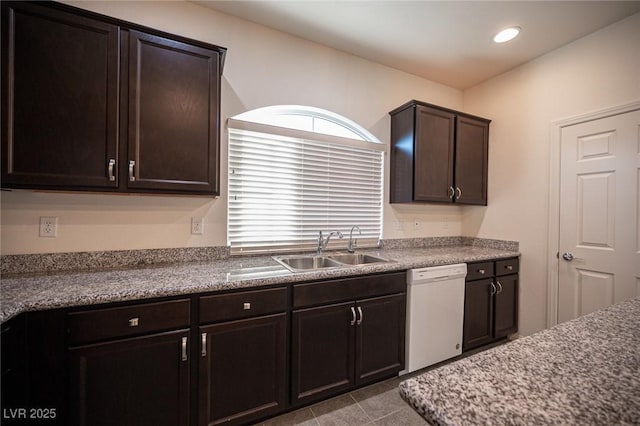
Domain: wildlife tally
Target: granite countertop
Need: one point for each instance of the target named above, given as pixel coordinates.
(582, 372)
(22, 293)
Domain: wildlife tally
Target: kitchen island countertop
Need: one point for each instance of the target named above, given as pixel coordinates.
(42, 291)
(582, 372)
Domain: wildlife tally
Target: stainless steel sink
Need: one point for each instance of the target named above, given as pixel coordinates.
(357, 258)
(298, 263)
(304, 263)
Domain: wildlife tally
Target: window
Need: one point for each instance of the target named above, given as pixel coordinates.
(294, 171)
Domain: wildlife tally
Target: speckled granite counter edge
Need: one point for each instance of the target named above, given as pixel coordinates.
(105, 260)
(51, 290)
(581, 372)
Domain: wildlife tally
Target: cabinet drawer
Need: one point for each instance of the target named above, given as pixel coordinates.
(478, 270)
(111, 323)
(225, 307)
(507, 266)
(320, 293)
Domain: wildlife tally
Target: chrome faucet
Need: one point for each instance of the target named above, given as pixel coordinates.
(351, 247)
(322, 243)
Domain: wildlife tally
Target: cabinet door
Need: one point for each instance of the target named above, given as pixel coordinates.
(13, 345)
(322, 346)
(139, 381)
(380, 337)
(59, 99)
(478, 314)
(173, 116)
(243, 371)
(506, 306)
(433, 162)
(472, 144)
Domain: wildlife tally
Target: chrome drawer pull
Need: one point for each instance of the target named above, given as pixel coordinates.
(453, 191)
(184, 348)
(458, 193)
(361, 316)
(134, 322)
(493, 288)
(246, 306)
(204, 344)
(353, 316)
(499, 287)
(481, 271)
(509, 268)
(132, 164)
(112, 163)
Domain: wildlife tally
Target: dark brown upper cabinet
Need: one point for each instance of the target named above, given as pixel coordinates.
(172, 132)
(97, 104)
(438, 155)
(59, 98)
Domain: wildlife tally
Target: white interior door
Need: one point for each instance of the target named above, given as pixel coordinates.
(599, 239)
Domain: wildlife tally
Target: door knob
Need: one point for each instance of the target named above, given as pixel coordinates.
(569, 257)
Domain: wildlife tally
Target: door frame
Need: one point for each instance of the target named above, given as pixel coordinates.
(554, 197)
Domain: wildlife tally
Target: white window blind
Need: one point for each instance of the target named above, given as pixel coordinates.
(284, 189)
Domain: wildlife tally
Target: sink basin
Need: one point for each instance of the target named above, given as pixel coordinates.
(302, 263)
(298, 263)
(357, 258)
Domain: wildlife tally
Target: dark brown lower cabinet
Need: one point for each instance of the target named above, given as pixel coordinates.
(243, 372)
(137, 381)
(506, 306)
(491, 302)
(233, 357)
(323, 341)
(478, 314)
(380, 338)
(13, 395)
(343, 345)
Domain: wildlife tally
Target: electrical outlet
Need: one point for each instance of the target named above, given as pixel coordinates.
(48, 226)
(197, 225)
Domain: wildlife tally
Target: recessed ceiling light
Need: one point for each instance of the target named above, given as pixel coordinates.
(506, 34)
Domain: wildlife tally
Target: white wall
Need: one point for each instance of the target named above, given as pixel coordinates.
(263, 67)
(595, 72)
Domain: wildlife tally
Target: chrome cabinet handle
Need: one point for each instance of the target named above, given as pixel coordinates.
(509, 267)
(361, 316)
(132, 164)
(353, 316)
(134, 322)
(453, 191)
(481, 271)
(458, 193)
(111, 165)
(499, 287)
(493, 288)
(204, 344)
(184, 348)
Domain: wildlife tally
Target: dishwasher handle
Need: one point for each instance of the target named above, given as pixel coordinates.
(436, 273)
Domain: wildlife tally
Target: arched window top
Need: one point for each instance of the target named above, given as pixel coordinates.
(309, 119)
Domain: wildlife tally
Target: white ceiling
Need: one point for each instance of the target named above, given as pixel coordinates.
(444, 41)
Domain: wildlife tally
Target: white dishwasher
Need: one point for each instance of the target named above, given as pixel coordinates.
(435, 311)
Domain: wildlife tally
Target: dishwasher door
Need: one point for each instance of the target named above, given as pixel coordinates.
(435, 312)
